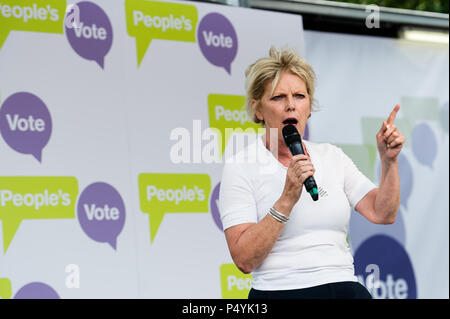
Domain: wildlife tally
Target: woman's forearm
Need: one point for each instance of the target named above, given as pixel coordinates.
(256, 242)
(387, 200)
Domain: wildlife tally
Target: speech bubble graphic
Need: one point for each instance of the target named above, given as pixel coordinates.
(217, 40)
(23, 197)
(25, 124)
(364, 157)
(361, 229)
(424, 144)
(406, 178)
(419, 108)
(5, 288)
(148, 20)
(383, 265)
(160, 194)
(92, 37)
(234, 283)
(101, 213)
(443, 116)
(34, 16)
(214, 206)
(306, 133)
(371, 125)
(227, 114)
(36, 290)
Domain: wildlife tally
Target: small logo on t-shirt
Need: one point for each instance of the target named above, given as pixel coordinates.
(322, 193)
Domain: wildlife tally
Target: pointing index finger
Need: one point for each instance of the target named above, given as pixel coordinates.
(393, 114)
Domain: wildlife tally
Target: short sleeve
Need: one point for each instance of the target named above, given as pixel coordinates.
(356, 184)
(236, 200)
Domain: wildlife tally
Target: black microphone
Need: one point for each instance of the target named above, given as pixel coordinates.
(294, 142)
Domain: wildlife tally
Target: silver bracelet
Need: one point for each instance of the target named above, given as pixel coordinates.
(278, 216)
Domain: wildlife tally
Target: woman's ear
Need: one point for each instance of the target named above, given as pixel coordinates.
(256, 110)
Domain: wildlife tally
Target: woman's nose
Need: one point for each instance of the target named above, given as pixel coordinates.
(290, 103)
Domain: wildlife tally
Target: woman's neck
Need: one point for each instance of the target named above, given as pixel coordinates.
(279, 149)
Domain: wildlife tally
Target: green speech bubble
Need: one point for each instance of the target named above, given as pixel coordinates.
(234, 283)
(34, 198)
(412, 109)
(160, 194)
(35, 16)
(228, 115)
(147, 20)
(364, 156)
(5, 288)
(371, 125)
(420, 108)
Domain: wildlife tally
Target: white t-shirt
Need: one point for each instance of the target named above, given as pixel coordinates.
(312, 249)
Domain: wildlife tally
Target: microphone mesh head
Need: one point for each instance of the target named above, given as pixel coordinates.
(290, 134)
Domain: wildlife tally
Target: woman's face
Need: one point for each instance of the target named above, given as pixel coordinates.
(289, 104)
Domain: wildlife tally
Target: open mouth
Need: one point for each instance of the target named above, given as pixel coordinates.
(290, 120)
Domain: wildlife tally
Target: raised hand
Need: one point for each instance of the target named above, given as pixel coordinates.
(389, 139)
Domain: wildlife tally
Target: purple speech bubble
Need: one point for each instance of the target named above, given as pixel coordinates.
(25, 123)
(361, 229)
(424, 144)
(36, 290)
(306, 133)
(92, 38)
(214, 206)
(386, 261)
(101, 213)
(406, 178)
(217, 40)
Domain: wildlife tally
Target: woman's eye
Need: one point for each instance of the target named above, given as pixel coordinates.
(276, 98)
(301, 96)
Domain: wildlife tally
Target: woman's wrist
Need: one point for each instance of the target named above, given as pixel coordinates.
(387, 162)
(283, 205)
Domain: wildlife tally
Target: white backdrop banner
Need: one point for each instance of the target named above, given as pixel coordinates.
(96, 201)
(360, 80)
(114, 116)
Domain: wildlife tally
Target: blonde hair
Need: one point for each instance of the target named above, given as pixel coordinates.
(270, 68)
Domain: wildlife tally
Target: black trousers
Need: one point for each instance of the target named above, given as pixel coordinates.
(336, 290)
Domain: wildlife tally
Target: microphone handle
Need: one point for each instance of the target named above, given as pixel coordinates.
(310, 183)
(311, 187)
